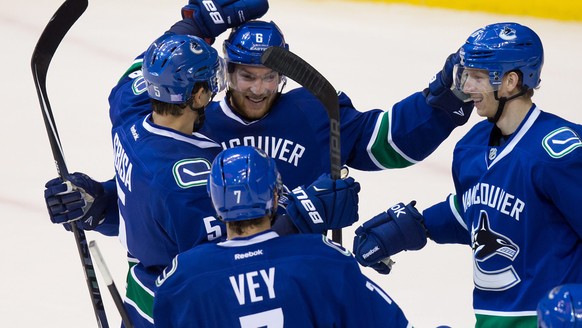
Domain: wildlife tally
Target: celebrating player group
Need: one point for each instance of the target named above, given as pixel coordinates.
(223, 206)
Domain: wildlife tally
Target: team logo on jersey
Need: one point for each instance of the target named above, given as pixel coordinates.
(486, 244)
(191, 172)
(139, 85)
(168, 271)
(561, 142)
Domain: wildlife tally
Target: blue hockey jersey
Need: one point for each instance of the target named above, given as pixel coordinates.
(517, 206)
(295, 133)
(270, 281)
(161, 175)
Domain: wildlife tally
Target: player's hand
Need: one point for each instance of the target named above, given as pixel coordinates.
(326, 204)
(80, 199)
(388, 233)
(441, 93)
(215, 16)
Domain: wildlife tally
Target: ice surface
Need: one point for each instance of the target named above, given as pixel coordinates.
(376, 53)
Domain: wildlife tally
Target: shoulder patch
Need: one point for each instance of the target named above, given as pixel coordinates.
(191, 172)
(335, 246)
(561, 142)
(168, 271)
(139, 85)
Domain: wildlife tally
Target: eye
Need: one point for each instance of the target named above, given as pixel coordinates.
(270, 77)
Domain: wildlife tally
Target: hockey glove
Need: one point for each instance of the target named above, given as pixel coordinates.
(215, 16)
(442, 94)
(388, 233)
(325, 205)
(80, 199)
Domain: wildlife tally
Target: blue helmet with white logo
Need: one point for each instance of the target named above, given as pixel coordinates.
(246, 43)
(504, 47)
(243, 183)
(561, 307)
(174, 63)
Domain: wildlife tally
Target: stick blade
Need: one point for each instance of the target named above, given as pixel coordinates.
(54, 32)
(297, 69)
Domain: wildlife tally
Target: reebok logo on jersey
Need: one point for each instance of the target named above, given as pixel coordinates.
(134, 133)
(370, 252)
(246, 255)
(561, 142)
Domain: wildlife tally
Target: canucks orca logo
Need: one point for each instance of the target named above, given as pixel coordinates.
(561, 142)
(486, 244)
(508, 34)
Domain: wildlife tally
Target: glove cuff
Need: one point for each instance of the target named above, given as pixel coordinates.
(458, 110)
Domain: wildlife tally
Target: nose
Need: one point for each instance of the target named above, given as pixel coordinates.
(469, 85)
(258, 87)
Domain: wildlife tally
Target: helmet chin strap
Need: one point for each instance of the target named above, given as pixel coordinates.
(502, 101)
(199, 111)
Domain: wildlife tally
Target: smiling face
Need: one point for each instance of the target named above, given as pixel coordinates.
(475, 83)
(253, 90)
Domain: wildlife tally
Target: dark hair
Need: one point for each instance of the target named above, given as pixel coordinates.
(530, 92)
(239, 227)
(164, 108)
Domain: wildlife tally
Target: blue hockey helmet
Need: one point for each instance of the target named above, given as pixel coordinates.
(246, 43)
(243, 183)
(174, 63)
(504, 47)
(561, 307)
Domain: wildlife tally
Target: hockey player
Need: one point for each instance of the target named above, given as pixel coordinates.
(162, 165)
(259, 114)
(518, 181)
(258, 279)
(293, 127)
(159, 162)
(561, 307)
(296, 130)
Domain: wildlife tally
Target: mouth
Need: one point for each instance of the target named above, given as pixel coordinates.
(256, 100)
(477, 99)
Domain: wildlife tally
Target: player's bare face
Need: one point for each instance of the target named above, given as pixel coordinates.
(476, 84)
(253, 90)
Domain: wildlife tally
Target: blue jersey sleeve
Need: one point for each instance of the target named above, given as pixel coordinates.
(561, 178)
(110, 226)
(129, 98)
(445, 224)
(402, 136)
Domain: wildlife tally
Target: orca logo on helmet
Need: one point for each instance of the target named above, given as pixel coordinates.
(195, 48)
(508, 34)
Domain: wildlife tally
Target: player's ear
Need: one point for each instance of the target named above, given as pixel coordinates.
(512, 80)
(201, 97)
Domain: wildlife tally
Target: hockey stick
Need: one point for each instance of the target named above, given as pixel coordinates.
(110, 283)
(297, 69)
(47, 45)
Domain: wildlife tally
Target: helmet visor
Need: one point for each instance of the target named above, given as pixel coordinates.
(218, 81)
(473, 80)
